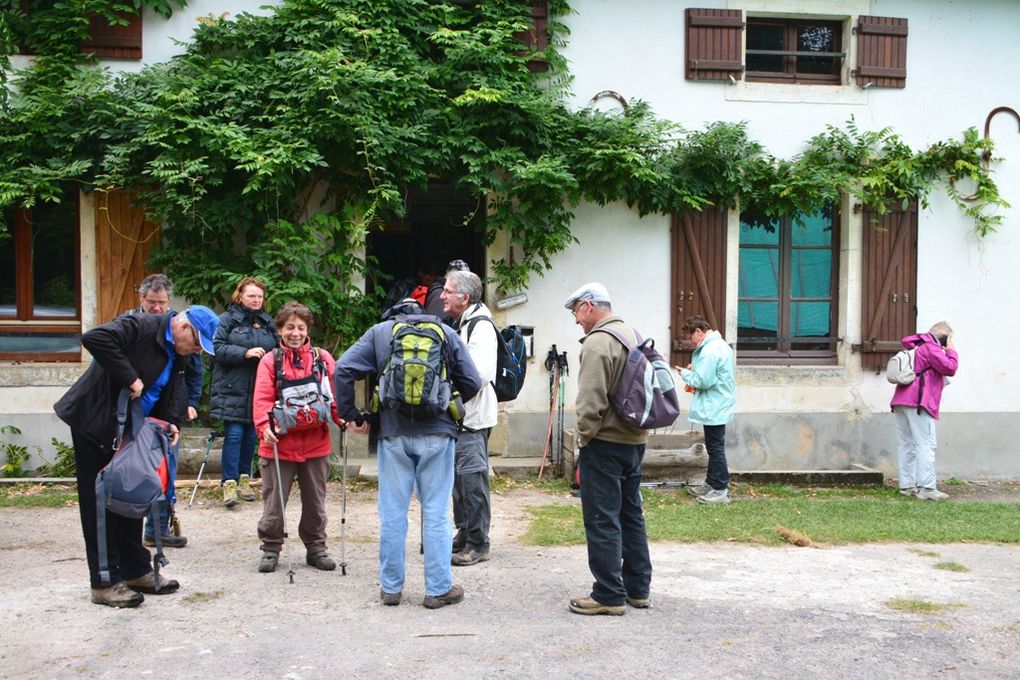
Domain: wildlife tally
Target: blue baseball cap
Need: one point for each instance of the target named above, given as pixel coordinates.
(206, 322)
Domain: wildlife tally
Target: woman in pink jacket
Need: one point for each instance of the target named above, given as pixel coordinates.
(916, 408)
(299, 433)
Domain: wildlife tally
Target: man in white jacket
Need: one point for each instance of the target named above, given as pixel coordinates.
(462, 301)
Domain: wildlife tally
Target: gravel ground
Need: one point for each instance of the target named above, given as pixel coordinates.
(720, 610)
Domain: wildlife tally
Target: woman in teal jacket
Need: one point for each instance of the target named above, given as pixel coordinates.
(710, 375)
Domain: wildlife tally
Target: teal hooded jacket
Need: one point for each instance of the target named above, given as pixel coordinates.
(711, 375)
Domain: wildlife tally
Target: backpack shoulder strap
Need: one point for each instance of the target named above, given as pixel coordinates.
(475, 319)
(278, 368)
(619, 336)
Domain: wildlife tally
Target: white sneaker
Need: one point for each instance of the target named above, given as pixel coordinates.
(910, 491)
(715, 496)
(931, 495)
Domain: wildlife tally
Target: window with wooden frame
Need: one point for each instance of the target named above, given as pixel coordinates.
(122, 40)
(794, 51)
(536, 38)
(787, 290)
(40, 301)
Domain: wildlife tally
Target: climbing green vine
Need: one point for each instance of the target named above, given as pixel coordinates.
(275, 143)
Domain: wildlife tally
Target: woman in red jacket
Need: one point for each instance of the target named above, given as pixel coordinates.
(293, 384)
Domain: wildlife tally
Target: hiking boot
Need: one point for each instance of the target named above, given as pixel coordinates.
(639, 602)
(469, 556)
(459, 542)
(168, 541)
(454, 595)
(230, 493)
(269, 560)
(320, 560)
(146, 583)
(715, 496)
(117, 595)
(390, 599)
(910, 491)
(590, 607)
(931, 495)
(699, 489)
(244, 490)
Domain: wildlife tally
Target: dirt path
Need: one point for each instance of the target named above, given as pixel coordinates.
(720, 610)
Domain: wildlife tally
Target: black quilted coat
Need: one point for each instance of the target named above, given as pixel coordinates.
(233, 376)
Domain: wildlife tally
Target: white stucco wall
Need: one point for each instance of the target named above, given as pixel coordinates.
(959, 68)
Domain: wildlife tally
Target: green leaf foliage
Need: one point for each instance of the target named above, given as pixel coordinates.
(274, 143)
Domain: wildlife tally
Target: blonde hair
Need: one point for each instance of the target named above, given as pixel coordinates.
(248, 281)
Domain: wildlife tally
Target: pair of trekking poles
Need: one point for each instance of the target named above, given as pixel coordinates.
(279, 489)
(559, 369)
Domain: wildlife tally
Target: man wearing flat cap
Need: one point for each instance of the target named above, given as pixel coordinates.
(610, 464)
(148, 355)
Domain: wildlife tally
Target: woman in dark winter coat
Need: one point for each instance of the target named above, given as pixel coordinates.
(246, 333)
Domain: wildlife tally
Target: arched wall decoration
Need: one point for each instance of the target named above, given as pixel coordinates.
(987, 156)
(608, 94)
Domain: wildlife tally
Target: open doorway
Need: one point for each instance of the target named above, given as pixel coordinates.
(441, 225)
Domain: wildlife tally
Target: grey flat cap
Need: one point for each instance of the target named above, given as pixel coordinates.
(591, 292)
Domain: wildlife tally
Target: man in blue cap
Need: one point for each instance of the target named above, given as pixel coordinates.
(147, 354)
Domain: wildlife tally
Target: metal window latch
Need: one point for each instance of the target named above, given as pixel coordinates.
(894, 297)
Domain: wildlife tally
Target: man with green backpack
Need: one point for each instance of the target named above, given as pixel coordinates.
(425, 374)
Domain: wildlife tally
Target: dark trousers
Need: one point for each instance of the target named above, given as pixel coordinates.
(128, 558)
(614, 523)
(718, 476)
(471, 511)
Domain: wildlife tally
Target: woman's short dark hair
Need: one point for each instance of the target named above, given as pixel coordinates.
(248, 281)
(695, 323)
(293, 308)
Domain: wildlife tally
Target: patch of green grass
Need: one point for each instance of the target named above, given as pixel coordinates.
(829, 516)
(925, 607)
(37, 495)
(203, 596)
(953, 481)
(952, 566)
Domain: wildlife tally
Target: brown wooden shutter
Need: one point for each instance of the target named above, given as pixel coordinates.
(881, 51)
(889, 295)
(117, 42)
(123, 241)
(698, 282)
(536, 39)
(714, 41)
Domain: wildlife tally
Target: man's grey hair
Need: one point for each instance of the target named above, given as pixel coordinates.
(156, 282)
(941, 330)
(604, 306)
(466, 282)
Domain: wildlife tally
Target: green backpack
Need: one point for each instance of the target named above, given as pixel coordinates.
(414, 379)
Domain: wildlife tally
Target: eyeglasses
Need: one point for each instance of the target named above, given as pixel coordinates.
(447, 291)
(198, 341)
(578, 306)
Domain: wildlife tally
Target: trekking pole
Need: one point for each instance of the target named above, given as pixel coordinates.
(343, 505)
(279, 489)
(555, 384)
(561, 365)
(201, 469)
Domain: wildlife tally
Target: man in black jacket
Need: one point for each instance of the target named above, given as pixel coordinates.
(147, 354)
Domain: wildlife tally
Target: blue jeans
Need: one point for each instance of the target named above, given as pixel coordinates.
(614, 523)
(403, 461)
(164, 505)
(718, 476)
(238, 449)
